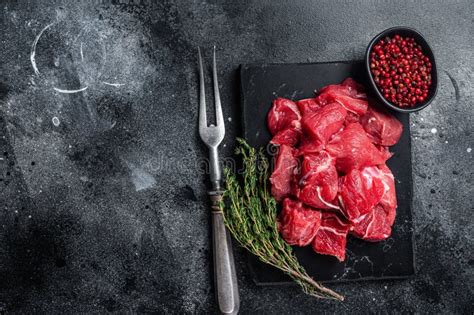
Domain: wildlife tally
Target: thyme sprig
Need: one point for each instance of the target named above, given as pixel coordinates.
(250, 214)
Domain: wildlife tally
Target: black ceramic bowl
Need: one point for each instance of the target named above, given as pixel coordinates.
(404, 31)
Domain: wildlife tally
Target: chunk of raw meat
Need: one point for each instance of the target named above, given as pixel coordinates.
(322, 99)
(298, 224)
(343, 93)
(376, 225)
(313, 165)
(321, 125)
(289, 136)
(373, 226)
(353, 149)
(389, 198)
(354, 86)
(360, 191)
(346, 95)
(332, 236)
(351, 118)
(355, 105)
(308, 146)
(348, 87)
(294, 186)
(384, 151)
(283, 114)
(283, 172)
(318, 182)
(383, 128)
(308, 105)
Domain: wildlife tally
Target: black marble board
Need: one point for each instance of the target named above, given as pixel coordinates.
(392, 258)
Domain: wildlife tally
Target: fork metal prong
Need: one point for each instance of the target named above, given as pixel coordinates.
(217, 98)
(202, 95)
(212, 135)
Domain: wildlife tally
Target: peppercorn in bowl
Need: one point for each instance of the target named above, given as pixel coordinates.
(402, 69)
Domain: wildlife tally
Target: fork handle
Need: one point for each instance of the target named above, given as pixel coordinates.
(225, 279)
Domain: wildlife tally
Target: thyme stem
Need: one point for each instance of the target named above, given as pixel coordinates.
(250, 214)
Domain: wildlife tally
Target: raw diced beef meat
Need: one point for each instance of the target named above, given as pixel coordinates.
(351, 118)
(331, 162)
(384, 151)
(318, 182)
(284, 114)
(283, 172)
(332, 89)
(317, 196)
(297, 223)
(389, 198)
(360, 191)
(321, 125)
(349, 94)
(348, 88)
(355, 105)
(383, 128)
(308, 105)
(352, 85)
(289, 136)
(322, 99)
(294, 186)
(331, 236)
(354, 150)
(373, 226)
(308, 146)
(317, 168)
(346, 96)
(376, 225)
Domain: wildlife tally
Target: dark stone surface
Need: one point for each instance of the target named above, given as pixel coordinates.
(104, 208)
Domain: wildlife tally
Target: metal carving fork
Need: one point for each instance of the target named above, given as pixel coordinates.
(225, 279)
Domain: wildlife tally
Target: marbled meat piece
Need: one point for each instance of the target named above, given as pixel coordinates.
(332, 236)
(308, 105)
(377, 224)
(353, 149)
(284, 170)
(289, 136)
(319, 181)
(382, 127)
(283, 114)
(297, 223)
(321, 125)
(360, 191)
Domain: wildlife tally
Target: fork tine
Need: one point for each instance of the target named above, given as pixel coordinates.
(217, 98)
(202, 95)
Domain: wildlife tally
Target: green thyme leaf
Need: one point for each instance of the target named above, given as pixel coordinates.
(250, 214)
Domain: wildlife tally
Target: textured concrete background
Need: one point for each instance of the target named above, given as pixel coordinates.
(101, 205)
